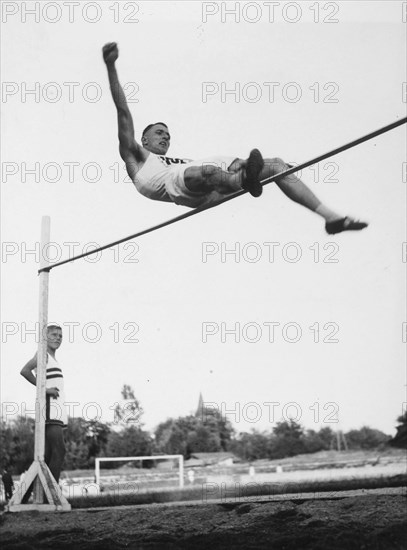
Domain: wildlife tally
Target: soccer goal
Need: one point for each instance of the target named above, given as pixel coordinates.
(179, 459)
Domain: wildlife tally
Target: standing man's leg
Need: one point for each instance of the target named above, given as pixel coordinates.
(54, 449)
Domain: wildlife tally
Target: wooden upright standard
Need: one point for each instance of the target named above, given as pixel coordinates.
(47, 493)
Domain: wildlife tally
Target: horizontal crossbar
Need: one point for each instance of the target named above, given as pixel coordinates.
(227, 198)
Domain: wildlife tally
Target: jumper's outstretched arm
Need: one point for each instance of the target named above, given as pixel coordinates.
(130, 151)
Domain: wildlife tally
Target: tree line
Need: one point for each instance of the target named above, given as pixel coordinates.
(206, 432)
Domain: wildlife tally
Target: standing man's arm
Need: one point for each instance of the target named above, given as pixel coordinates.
(27, 373)
(131, 152)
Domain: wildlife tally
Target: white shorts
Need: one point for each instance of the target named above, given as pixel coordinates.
(180, 194)
(162, 179)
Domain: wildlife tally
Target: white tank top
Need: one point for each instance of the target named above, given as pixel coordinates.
(56, 409)
(150, 179)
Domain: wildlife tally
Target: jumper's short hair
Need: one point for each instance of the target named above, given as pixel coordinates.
(147, 128)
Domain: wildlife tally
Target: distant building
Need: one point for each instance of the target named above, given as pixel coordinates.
(200, 408)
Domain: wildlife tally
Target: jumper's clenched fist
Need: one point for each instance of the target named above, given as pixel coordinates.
(110, 52)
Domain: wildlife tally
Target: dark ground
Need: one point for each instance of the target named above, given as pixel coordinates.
(352, 522)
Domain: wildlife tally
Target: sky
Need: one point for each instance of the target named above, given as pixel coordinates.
(251, 304)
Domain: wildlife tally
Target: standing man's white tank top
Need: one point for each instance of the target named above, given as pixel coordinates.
(55, 408)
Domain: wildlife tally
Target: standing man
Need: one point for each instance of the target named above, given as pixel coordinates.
(8, 484)
(56, 417)
(202, 182)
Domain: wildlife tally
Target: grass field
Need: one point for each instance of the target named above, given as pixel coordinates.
(323, 472)
(329, 471)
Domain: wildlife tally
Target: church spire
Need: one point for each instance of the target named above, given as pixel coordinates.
(199, 410)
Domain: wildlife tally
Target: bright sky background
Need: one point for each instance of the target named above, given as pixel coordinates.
(170, 293)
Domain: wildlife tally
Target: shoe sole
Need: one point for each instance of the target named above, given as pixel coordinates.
(344, 224)
(255, 164)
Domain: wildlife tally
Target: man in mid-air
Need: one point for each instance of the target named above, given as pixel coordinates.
(205, 181)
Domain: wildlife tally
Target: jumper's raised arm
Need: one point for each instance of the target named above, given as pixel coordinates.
(131, 152)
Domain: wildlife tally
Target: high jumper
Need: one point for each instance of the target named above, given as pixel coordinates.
(196, 183)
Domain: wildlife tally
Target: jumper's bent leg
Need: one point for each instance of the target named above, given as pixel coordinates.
(294, 188)
(298, 192)
(207, 178)
(240, 174)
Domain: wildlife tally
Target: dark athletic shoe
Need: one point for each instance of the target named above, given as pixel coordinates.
(254, 167)
(344, 224)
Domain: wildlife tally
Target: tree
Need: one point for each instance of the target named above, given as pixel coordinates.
(188, 434)
(366, 438)
(327, 436)
(203, 440)
(76, 445)
(287, 439)
(313, 442)
(17, 443)
(171, 437)
(85, 440)
(400, 439)
(219, 426)
(5, 445)
(98, 435)
(251, 446)
(131, 441)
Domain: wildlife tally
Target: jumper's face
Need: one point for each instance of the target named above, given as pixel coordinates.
(157, 139)
(54, 338)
